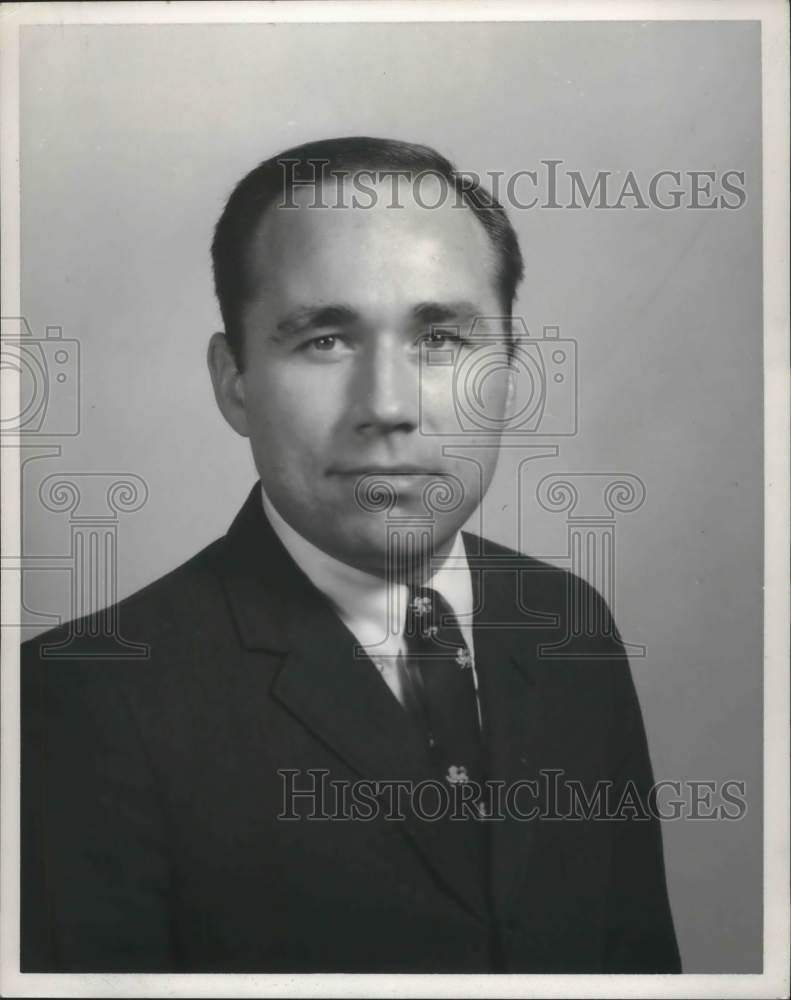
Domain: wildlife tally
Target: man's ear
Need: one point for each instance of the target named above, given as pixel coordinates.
(228, 383)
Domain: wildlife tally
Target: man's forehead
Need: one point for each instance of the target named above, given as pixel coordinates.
(374, 190)
(427, 218)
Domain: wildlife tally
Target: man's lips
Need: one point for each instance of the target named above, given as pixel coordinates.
(385, 470)
(378, 487)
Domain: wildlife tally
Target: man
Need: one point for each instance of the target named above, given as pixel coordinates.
(256, 795)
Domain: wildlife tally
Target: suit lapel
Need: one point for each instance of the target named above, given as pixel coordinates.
(345, 702)
(343, 699)
(505, 657)
(338, 696)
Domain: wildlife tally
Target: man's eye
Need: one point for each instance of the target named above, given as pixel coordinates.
(449, 337)
(328, 347)
(444, 337)
(325, 343)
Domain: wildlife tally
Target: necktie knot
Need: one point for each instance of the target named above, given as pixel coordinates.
(432, 627)
(432, 631)
(423, 614)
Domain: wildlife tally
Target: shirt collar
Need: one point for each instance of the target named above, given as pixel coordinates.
(364, 601)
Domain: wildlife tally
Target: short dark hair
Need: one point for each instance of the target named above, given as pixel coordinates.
(259, 189)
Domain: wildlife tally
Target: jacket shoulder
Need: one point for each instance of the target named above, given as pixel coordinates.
(487, 555)
(172, 603)
(538, 586)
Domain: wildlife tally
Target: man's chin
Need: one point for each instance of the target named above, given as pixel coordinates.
(391, 546)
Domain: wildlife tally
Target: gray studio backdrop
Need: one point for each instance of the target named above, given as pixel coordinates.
(133, 136)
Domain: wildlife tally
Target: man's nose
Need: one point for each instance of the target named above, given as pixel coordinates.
(387, 388)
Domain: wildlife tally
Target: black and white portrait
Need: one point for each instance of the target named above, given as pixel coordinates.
(388, 435)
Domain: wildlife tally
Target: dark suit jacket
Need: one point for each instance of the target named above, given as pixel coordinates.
(150, 787)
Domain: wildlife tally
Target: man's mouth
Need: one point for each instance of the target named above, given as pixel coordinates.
(385, 470)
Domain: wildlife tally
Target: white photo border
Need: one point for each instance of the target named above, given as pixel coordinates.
(774, 981)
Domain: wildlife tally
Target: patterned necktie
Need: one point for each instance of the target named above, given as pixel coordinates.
(438, 684)
(439, 692)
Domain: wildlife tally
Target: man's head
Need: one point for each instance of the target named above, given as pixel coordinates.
(339, 266)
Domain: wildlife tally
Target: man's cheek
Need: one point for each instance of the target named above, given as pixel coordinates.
(438, 409)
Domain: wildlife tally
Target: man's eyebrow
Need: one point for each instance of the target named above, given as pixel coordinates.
(315, 317)
(442, 312)
(319, 317)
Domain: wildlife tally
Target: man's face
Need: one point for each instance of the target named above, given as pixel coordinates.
(338, 394)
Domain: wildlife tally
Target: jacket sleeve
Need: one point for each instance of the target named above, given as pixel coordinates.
(640, 937)
(95, 876)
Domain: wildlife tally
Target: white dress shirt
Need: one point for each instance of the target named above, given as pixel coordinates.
(373, 609)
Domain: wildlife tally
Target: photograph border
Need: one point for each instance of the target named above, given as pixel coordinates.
(774, 981)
